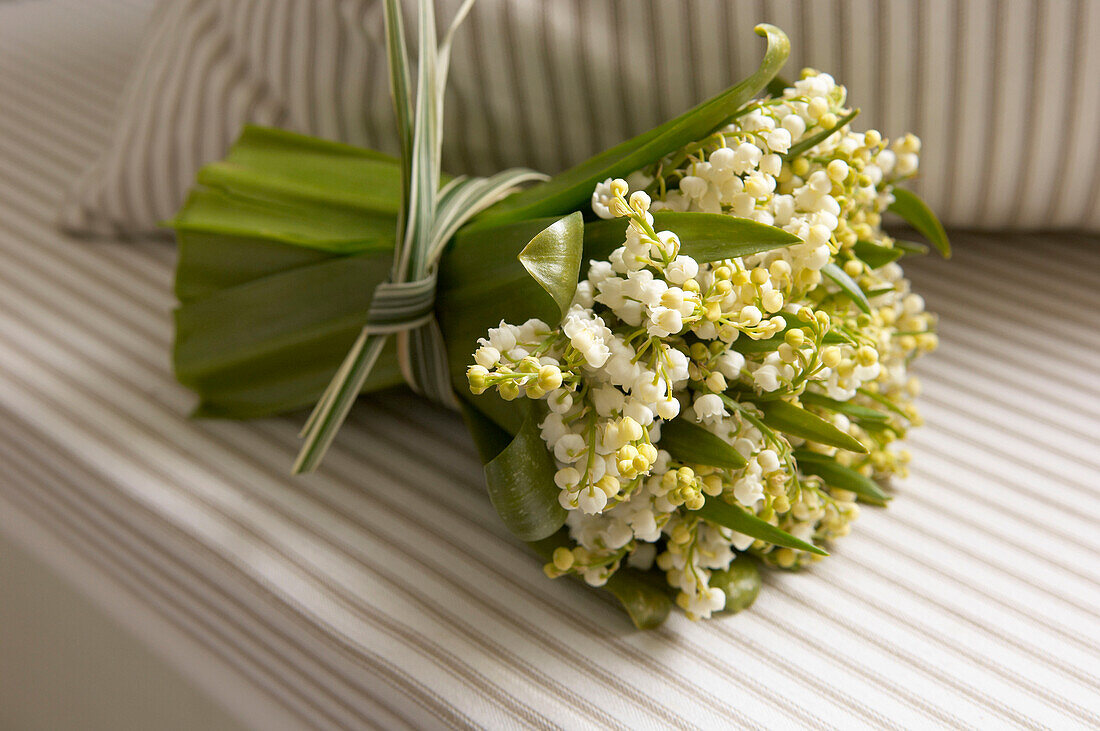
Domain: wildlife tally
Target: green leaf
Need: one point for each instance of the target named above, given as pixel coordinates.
(304, 223)
(777, 86)
(571, 190)
(794, 420)
(715, 236)
(704, 237)
(277, 163)
(747, 345)
(718, 511)
(740, 582)
(853, 411)
(847, 285)
(270, 344)
(837, 475)
(816, 139)
(876, 255)
(911, 247)
(521, 485)
(918, 215)
(884, 401)
(553, 258)
(644, 600)
(691, 443)
(641, 593)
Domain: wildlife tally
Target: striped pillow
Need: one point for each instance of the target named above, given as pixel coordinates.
(1003, 92)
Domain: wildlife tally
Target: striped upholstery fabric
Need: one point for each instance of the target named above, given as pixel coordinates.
(384, 591)
(1003, 92)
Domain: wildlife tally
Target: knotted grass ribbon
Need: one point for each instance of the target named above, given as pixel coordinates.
(403, 307)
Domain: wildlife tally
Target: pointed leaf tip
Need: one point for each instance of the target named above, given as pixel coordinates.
(736, 518)
(837, 475)
(553, 258)
(847, 285)
(570, 190)
(688, 442)
(917, 214)
(794, 420)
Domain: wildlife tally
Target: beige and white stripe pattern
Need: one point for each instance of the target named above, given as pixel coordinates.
(1003, 92)
(384, 592)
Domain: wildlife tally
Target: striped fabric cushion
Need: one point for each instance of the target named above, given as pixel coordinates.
(384, 591)
(1003, 92)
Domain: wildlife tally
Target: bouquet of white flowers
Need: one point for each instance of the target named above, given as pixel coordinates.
(721, 388)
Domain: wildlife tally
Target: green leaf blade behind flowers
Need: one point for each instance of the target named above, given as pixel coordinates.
(704, 237)
(911, 247)
(690, 443)
(837, 475)
(876, 255)
(553, 258)
(730, 516)
(917, 214)
(708, 237)
(740, 583)
(852, 411)
(794, 420)
(847, 285)
(816, 139)
(571, 189)
(642, 594)
(520, 478)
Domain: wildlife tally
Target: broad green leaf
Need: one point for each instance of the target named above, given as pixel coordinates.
(553, 258)
(306, 223)
(642, 595)
(794, 420)
(718, 511)
(837, 475)
(740, 583)
(521, 484)
(876, 255)
(691, 443)
(205, 267)
(269, 303)
(918, 215)
(703, 236)
(278, 163)
(847, 285)
(816, 139)
(852, 411)
(270, 345)
(571, 190)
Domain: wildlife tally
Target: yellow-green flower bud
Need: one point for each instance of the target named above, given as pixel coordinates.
(563, 558)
